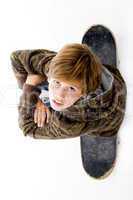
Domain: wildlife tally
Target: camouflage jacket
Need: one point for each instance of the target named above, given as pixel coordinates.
(98, 113)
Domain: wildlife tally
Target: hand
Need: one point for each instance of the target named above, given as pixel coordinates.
(41, 114)
(34, 79)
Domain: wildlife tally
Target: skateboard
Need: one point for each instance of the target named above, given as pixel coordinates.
(102, 42)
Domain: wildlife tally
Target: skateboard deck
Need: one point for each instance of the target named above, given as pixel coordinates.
(102, 42)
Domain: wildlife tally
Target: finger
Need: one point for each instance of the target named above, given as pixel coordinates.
(35, 115)
(43, 118)
(39, 117)
(48, 115)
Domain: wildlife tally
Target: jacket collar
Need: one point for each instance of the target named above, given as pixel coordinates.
(102, 95)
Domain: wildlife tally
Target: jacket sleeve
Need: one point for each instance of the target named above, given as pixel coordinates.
(26, 62)
(55, 129)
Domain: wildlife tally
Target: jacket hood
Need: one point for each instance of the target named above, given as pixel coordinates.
(93, 106)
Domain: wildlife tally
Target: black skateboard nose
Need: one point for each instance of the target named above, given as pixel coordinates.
(100, 39)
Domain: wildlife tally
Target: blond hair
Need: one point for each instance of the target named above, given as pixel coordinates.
(76, 62)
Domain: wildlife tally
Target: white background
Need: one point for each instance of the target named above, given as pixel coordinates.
(52, 169)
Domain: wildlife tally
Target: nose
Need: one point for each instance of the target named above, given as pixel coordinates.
(60, 93)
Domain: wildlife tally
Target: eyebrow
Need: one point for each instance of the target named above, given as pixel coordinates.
(70, 84)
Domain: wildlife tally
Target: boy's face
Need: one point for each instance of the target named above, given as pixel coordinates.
(63, 94)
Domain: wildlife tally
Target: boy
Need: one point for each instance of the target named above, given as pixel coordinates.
(71, 93)
(79, 100)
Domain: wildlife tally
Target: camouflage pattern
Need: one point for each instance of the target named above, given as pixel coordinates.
(98, 113)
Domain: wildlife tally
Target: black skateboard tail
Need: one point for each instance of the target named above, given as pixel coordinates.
(102, 42)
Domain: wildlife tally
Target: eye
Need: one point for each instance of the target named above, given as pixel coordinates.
(72, 89)
(57, 82)
(54, 81)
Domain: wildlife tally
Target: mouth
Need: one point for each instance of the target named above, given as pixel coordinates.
(57, 103)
